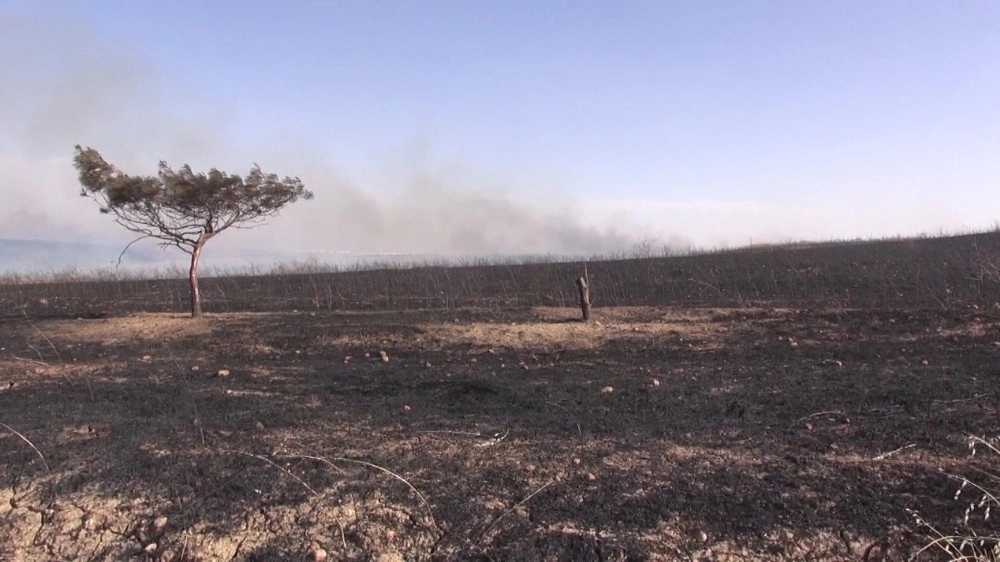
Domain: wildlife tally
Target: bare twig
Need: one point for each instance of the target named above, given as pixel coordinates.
(30, 444)
(36, 350)
(818, 414)
(42, 363)
(281, 468)
(330, 462)
(86, 378)
(41, 333)
(710, 286)
(579, 431)
(451, 432)
(190, 395)
(974, 397)
(491, 438)
(514, 507)
(121, 255)
(343, 535)
(886, 455)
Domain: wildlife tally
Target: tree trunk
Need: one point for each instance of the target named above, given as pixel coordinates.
(581, 284)
(193, 278)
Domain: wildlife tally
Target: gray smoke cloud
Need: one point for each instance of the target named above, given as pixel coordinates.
(61, 85)
(427, 209)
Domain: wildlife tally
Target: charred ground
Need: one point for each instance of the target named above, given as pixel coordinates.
(772, 404)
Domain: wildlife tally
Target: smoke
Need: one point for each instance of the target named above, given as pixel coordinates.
(62, 85)
(443, 210)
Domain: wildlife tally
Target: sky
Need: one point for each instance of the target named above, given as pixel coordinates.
(509, 127)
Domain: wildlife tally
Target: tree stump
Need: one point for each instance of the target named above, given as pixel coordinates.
(581, 284)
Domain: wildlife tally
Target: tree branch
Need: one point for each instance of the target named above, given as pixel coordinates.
(119, 263)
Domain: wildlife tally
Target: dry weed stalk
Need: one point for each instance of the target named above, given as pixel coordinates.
(41, 361)
(888, 454)
(970, 544)
(513, 508)
(330, 461)
(579, 430)
(30, 444)
(281, 468)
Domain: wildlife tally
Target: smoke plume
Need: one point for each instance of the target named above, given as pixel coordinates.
(62, 86)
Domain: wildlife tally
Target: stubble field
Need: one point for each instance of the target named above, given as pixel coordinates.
(725, 431)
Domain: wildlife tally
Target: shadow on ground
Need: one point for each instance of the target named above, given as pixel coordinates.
(654, 433)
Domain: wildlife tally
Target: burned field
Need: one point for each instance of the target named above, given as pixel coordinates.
(749, 428)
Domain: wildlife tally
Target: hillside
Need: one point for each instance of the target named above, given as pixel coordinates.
(933, 273)
(774, 404)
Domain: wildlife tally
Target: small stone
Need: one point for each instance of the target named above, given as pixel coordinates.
(195, 368)
(607, 390)
(318, 555)
(385, 356)
(147, 358)
(222, 373)
(924, 363)
(406, 408)
(591, 476)
(702, 537)
(259, 425)
(151, 548)
(655, 382)
(159, 524)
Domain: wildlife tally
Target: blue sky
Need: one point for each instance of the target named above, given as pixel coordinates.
(512, 127)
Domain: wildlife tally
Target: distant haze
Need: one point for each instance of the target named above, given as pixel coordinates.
(444, 130)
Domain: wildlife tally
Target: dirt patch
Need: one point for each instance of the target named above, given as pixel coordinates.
(548, 329)
(654, 433)
(131, 328)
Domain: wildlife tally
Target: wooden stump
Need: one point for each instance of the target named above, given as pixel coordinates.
(581, 284)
